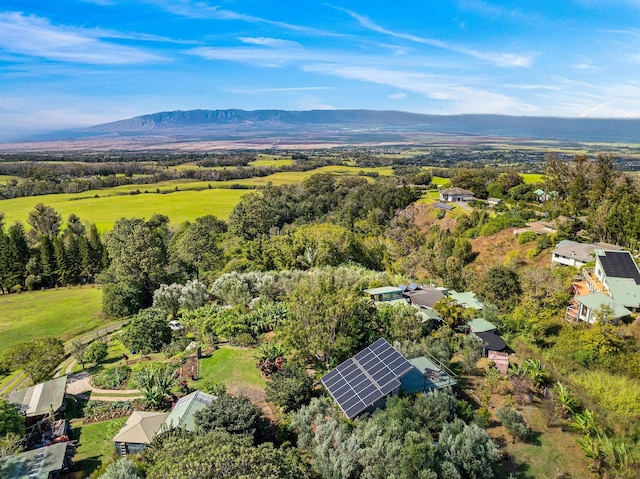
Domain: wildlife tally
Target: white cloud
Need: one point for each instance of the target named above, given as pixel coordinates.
(498, 59)
(269, 42)
(397, 96)
(37, 37)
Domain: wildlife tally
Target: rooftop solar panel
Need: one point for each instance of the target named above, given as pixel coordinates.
(620, 264)
(412, 286)
(367, 377)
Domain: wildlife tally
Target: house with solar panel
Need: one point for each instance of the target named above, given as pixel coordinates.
(613, 283)
(363, 382)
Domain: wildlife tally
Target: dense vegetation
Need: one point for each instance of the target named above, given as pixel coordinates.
(286, 273)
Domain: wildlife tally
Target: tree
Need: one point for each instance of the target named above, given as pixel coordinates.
(155, 381)
(289, 388)
(148, 332)
(219, 454)
(400, 321)
(198, 244)
(78, 350)
(514, 423)
(194, 295)
(121, 299)
(44, 221)
(167, 297)
(469, 448)
(12, 421)
(96, 352)
(37, 358)
(137, 250)
(500, 286)
(471, 350)
(233, 414)
(123, 468)
(451, 312)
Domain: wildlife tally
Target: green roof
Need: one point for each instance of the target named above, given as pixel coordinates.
(182, 414)
(467, 299)
(36, 464)
(595, 301)
(427, 314)
(383, 290)
(41, 398)
(481, 325)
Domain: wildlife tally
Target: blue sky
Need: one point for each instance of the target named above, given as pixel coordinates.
(68, 63)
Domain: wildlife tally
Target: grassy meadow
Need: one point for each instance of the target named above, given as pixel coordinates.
(530, 178)
(62, 312)
(191, 200)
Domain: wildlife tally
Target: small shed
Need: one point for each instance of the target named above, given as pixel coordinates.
(480, 325)
(500, 359)
(427, 374)
(494, 201)
(49, 462)
(139, 430)
(385, 293)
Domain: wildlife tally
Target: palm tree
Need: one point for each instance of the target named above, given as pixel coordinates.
(155, 382)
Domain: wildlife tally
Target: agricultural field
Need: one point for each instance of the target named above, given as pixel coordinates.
(63, 312)
(188, 199)
(532, 178)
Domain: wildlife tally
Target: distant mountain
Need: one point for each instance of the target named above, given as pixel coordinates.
(226, 124)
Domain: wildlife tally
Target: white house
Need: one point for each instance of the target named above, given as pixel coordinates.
(456, 194)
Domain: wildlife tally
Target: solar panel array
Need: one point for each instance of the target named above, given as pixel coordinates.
(620, 264)
(367, 377)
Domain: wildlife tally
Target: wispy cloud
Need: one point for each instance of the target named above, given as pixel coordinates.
(397, 96)
(493, 11)
(458, 98)
(202, 10)
(498, 59)
(257, 91)
(35, 36)
(269, 42)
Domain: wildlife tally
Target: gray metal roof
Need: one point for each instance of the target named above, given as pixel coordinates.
(42, 398)
(35, 464)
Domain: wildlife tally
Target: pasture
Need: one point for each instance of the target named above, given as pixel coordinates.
(530, 178)
(63, 312)
(231, 367)
(184, 200)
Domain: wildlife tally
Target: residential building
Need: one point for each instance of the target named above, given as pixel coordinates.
(50, 462)
(183, 413)
(572, 253)
(138, 432)
(456, 194)
(41, 400)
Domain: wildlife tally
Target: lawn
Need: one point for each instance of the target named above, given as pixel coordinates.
(439, 181)
(95, 446)
(231, 367)
(62, 312)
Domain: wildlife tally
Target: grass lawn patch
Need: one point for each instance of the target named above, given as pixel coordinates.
(267, 161)
(95, 446)
(231, 367)
(440, 181)
(63, 312)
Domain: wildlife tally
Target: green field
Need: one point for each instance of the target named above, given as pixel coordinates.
(269, 161)
(532, 178)
(63, 312)
(231, 367)
(4, 179)
(439, 181)
(193, 200)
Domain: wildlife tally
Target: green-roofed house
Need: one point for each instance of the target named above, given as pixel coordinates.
(481, 325)
(40, 400)
(590, 305)
(183, 413)
(467, 299)
(426, 375)
(386, 294)
(50, 462)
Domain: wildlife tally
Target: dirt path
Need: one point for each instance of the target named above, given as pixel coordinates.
(80, 385)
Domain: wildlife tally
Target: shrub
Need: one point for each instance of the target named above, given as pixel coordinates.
(244, 340)
(290, 388)
(527, 237)
(514, 423)
(96, 352)
(112, 378)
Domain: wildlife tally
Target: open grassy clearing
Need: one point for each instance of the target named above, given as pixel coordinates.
(4, 179)
(264, 160)
(231, 367)
(439, 181)
(95, 446)
(194, 198)
(179, 206)
(62, 312)
(532, 178)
